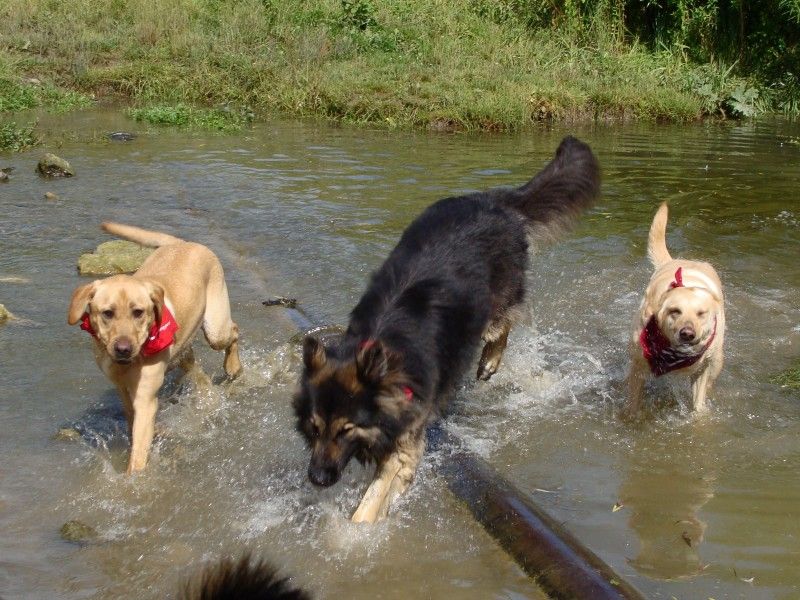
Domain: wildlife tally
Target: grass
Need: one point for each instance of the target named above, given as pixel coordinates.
(16, 139)
(436, 64)
(182, 115)
(15, 97)
(789, 378)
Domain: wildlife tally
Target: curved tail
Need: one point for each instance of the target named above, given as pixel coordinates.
(656, 241)
(145, 237)
(554, 199)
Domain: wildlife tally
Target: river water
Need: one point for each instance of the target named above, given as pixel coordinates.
(706, 508)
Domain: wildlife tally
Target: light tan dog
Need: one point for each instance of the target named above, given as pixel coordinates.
(680, 325)
(143, 324)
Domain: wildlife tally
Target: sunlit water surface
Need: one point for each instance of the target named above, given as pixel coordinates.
(709, 507)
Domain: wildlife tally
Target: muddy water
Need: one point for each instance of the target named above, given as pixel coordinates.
(709, 507)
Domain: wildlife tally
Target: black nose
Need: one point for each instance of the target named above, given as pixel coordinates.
(323, 476)
(686, 334)
(123, 348)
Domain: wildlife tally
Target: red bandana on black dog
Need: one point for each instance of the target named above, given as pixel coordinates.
(162, 334)
(657, 348)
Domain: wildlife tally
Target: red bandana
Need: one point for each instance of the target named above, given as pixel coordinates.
(162, 334)
(660, 354)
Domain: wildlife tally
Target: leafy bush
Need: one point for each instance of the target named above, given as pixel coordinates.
(16, 138)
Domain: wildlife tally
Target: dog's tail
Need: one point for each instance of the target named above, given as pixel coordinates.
(656, 242)
(244, 579)
(554, 199)
(145, 237)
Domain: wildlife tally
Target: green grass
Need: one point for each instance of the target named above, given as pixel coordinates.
(789, 378)
(436, 64)
(182, 115)
(16, 139)
(15, 97)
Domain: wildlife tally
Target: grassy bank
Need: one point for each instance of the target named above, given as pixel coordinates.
(437, 64)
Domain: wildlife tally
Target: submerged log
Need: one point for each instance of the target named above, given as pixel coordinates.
(556, 559)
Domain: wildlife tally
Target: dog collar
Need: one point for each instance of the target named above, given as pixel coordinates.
(678, 282)
(660, 354)
(161, 335)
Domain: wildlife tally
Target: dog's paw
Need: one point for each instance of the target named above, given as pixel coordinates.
(487, 369)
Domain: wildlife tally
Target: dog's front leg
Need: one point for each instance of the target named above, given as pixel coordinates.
(145, 405)
(637, 376)
(369, 508)
(700, 385)
(409, 456)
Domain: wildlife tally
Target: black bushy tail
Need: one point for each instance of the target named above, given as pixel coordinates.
(555, 199)
(244, 579)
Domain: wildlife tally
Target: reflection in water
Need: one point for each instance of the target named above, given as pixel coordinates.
(665, 488)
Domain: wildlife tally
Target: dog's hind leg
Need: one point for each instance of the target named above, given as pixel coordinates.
(496, 338)
(218, 326)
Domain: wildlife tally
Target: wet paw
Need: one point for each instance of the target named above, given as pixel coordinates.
(486, 370)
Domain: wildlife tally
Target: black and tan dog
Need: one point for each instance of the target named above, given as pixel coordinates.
(456, 276)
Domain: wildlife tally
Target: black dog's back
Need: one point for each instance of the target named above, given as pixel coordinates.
(461, 266)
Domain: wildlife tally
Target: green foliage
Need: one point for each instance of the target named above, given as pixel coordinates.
(223, 119)
(15, 97)
(789, 378)
(441, 64)
(16, 138)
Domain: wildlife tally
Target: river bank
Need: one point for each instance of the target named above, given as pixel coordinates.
(427, 64)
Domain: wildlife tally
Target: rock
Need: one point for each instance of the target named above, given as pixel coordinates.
(67, 434)
(52, 166)
(121, 136)
(5, 315)
(281, 301)
(78, 533)
(113, 258)
(3, 175)
(50, 196)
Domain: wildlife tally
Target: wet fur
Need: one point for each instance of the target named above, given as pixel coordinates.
(696, 305)
(456, 276)
(245, 579)
(188, 279)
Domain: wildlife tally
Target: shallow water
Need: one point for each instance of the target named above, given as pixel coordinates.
(710, 507)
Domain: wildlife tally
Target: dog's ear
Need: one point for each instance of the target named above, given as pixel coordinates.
(372, 362)
(80, 302)
(157, 297)
(313, 354)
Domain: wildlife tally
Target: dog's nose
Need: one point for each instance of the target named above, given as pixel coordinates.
(322, 476)
(123, 348)
(686, 334)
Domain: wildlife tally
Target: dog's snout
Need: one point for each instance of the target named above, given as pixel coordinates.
(686, 334)
(123, 348)
(322, 476)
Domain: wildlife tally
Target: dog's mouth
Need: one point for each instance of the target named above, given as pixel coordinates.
(123, 361)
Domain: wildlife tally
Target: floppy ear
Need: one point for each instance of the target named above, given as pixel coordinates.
(157, 297)
(313, 354)
(80, 302)
(372, 363)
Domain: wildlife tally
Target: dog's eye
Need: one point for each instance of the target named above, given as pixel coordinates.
(701, 314)
(675, 312)
(108, 314)
(345, 430)
(137, 313)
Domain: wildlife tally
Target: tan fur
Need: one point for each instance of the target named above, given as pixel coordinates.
(185, 276)
(696, 305)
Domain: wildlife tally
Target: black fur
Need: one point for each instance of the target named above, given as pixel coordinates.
(457, 268)
(244, 579)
